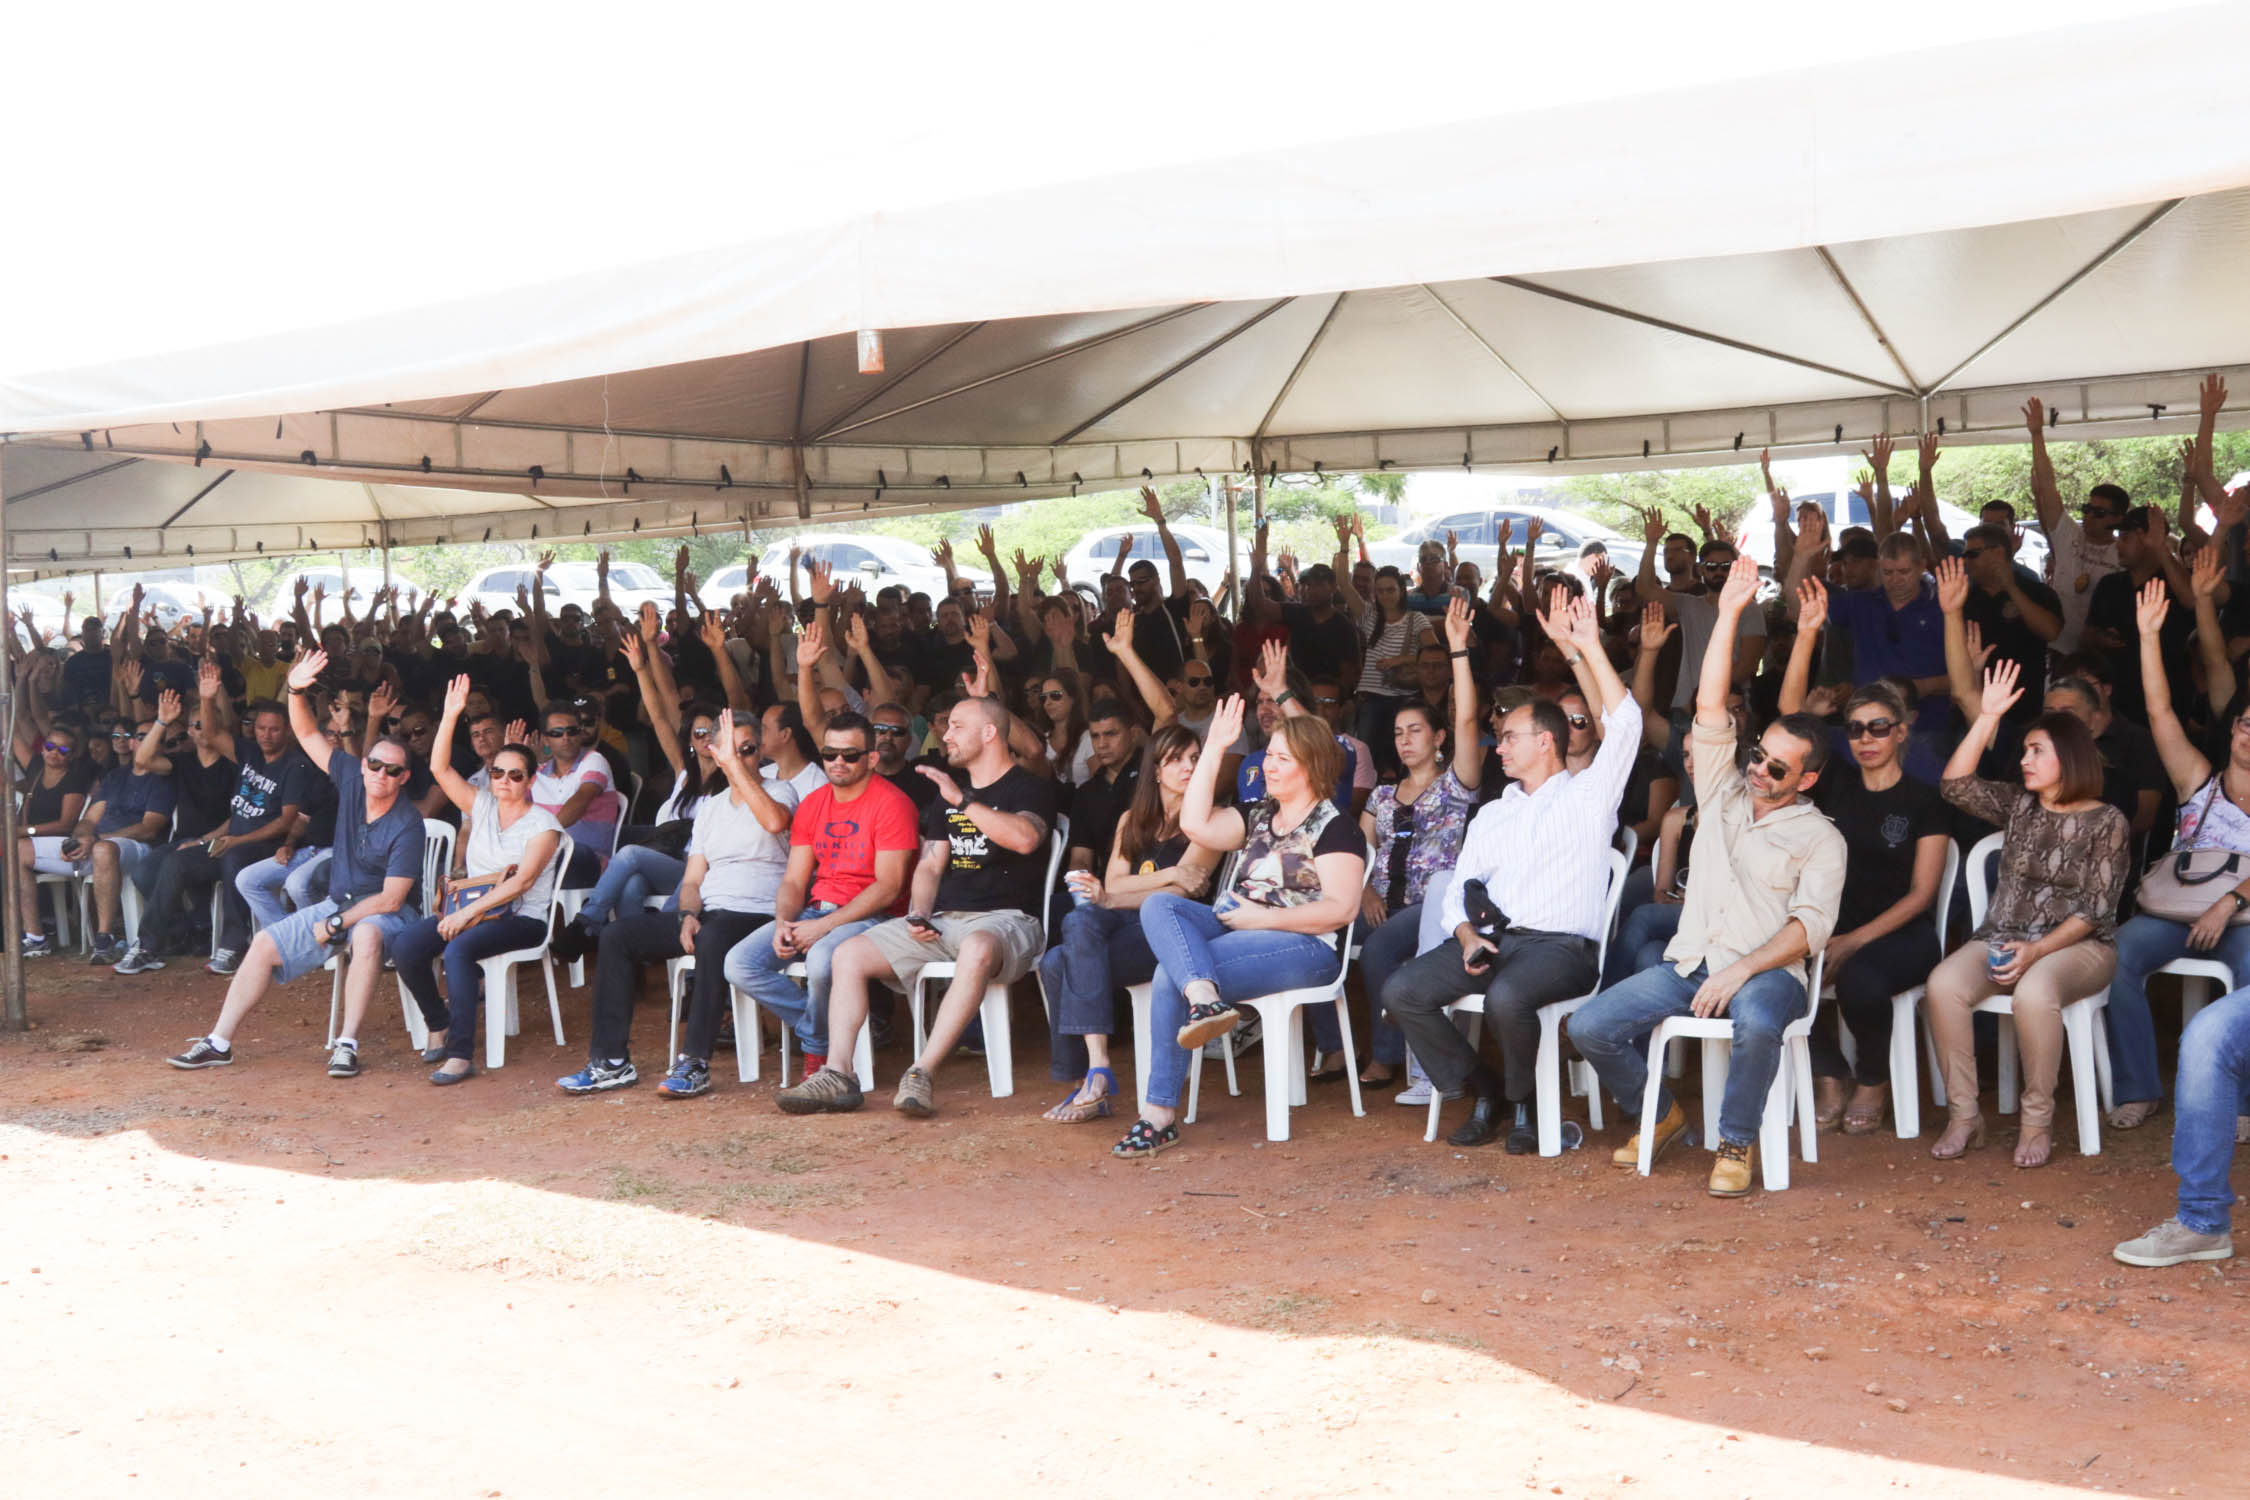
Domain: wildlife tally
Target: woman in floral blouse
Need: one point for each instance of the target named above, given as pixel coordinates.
(1415, 827)
(2050, 934)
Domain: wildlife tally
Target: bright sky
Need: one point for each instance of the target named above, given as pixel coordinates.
(203, 177)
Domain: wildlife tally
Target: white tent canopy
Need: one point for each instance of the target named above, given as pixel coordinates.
(1770, 234)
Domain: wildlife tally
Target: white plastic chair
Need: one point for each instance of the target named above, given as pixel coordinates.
(999, 1043)
(863, 1052)
(573, 902)
(1140, 996)
(437, 860)
(1549, 1067)
(499, 973)
(1906, 1081)
(69, 896)
(2084, 1037)
(1627, 843)
(747, 1041)
(2197, 976)
(1791, 1093)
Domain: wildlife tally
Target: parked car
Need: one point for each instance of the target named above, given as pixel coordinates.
(1477, 532)
(567, 583)
(1847, 507)
(872, 562)
(173, 602)
(356, 585)
(1203, 551)
(630, 584)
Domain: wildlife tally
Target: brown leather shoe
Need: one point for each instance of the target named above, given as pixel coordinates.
(1667, 1131)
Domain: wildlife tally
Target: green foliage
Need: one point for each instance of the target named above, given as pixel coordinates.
(1727, 492)
(2149, 469)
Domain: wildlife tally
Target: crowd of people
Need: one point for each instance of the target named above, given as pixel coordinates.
(1431, 782)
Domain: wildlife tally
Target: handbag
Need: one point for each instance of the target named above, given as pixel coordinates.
(466, 890)
(2183, 885)
(669, 839)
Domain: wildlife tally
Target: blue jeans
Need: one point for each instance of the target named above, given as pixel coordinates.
(635, 874)
(1191, 944)
(2214, 1067)
(755, 969)
(1641, 940)
(261, 885)
(415, 953)
(1382, 953)
(1101, 949)
(2145, 945)
(1613, 1029)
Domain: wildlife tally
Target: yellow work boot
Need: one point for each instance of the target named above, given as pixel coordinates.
(1667, 1131)
(1730, 1170)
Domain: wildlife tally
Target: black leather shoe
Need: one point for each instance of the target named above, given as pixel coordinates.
(1483, 1123)
(1523, 1138)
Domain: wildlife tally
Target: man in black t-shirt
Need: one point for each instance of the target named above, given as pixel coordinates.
(1323, 642)
(272, 782)
(1100, 803)
(977, 887)
(2016, 615)
(2133, 779)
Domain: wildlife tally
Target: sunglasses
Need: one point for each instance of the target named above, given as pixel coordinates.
(702, 734)
(1971, 554)
(385, 767)
(848, 757)
(1064, 697)
(1578, 721)
(2099, 513)
(1197, 681)
(898, 730)
(561, 734)
(1870, 729)
(510, 773)
(122, 734)
(54, 749)
(1327, 702)
(1776, 767)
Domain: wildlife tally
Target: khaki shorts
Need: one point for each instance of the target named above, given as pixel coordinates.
(1019, 935)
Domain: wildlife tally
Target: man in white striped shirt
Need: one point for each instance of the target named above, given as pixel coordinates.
(1542, 854)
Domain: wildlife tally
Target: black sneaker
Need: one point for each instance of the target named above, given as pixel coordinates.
(201, 1054)
(343, 1061)
(108, 949)
(690, 1076)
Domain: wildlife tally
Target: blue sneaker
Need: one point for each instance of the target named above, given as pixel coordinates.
(688, 1078)
(598, 1078)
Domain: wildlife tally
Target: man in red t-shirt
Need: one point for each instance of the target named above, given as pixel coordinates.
(852, 845)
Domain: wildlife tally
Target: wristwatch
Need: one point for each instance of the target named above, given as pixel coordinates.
(2241, 902)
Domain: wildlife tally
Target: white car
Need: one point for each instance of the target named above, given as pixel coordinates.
(725, 584)
(567, 583)
(358, 586)
(1477, 532)
(1847, 507)
(630, 584)
(173, 602)
(873, 562)
(1203, 552)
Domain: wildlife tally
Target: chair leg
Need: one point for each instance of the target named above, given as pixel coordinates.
(1718, 1054)
(1226, 1053)
(336, 998)
(1143, 1043)
(2079, 1022)
(673, 977)
(1195, 1083)
(1658, 1046)
(499, 1001)
(554, 1001)
(1351, 1059)
(747, 1042)
(1548, 1069)
(783, 1081)
(2195, 993)
(1798, 1059)
(2011, 1065)
(1773, 1129)
(863, 1058)
(915, 1004)
(1285, 1072)
(416, 1031)
(2107, 1089)
(1937, 1069)
(999, 1041)
(1437, 1103)
(1906, 1086)
(129, 910)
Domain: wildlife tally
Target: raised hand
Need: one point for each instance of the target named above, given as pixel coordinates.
(2000, 690)
(855, 633)
(547, 559)
(1812, 605)
(207, 681)
(1027, 569)
(823, 580)
(1741, 588)
(1655, 628)
(2212, 395)
(1878, 455)
(601, 567)
(1703, 521)
(1952, 585)
(517, 733)
(1120, 637)
(631, 646)
(168, 708)
(2153, 603)
(813, 644)
(989, 547)
(1765, 467)
(1058, 629)
(1226, 721)
(1199, 616)
(1979, 652)
(1344, 531)
(456, 696)
(1652, 526)
(980, 630)
(1459, 623)
(947, 787)
(303, 588)
(129, 673)
(2035, 417)
(723, 751)
(1151, 507)
(680, 562)
(651, 623)
(307, 668)
(1927, 450)
(1506, 533)
(1055, 565)
(1531, 530)
(712, 628)
(942, 554)
(1272, 671)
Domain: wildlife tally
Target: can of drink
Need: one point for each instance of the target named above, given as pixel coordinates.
(1997, 958)
(1080, 884)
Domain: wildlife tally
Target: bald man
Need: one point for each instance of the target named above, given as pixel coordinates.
(977, 889)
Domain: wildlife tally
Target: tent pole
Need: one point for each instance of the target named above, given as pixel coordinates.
(97, 595)
(13, 1014)
(1234, 585)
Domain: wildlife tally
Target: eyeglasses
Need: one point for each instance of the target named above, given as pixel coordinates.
(896, 730)
(385, 767)
(1327, 702)
(1578, 721)
(1869, 729)
(848, 757)
(510, 773)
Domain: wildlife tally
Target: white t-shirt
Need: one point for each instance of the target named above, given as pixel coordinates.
(493, 848)
(745, 862)
(594, 827)
(2074, 566)
(811, 779)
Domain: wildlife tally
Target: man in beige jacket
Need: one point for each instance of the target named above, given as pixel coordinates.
(1763, 888)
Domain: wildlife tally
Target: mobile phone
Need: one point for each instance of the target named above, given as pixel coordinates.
(924, 923)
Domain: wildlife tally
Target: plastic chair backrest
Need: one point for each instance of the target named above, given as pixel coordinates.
(1055, 856)
(1951, 873)
(1982, 860)
(1628, 843)
(1620, 864)
(437, 860)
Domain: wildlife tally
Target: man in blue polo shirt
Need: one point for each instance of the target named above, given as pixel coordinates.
(374, 886)
(1897, 629)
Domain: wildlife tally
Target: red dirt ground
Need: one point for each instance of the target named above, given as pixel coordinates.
(284, 1283)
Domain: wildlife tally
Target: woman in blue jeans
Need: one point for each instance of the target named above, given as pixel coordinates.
(1415, 827)
(1102, 943)
(1298, 885)
(2214, 1076)
(510, 838)
(2214, 815)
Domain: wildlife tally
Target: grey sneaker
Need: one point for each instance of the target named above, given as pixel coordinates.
(136, 961)
(831, 1091)
(201, 1054)
(225, 961)
(35, 945)
(343, 1061)
(913, 1096)
(2171, 1243)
